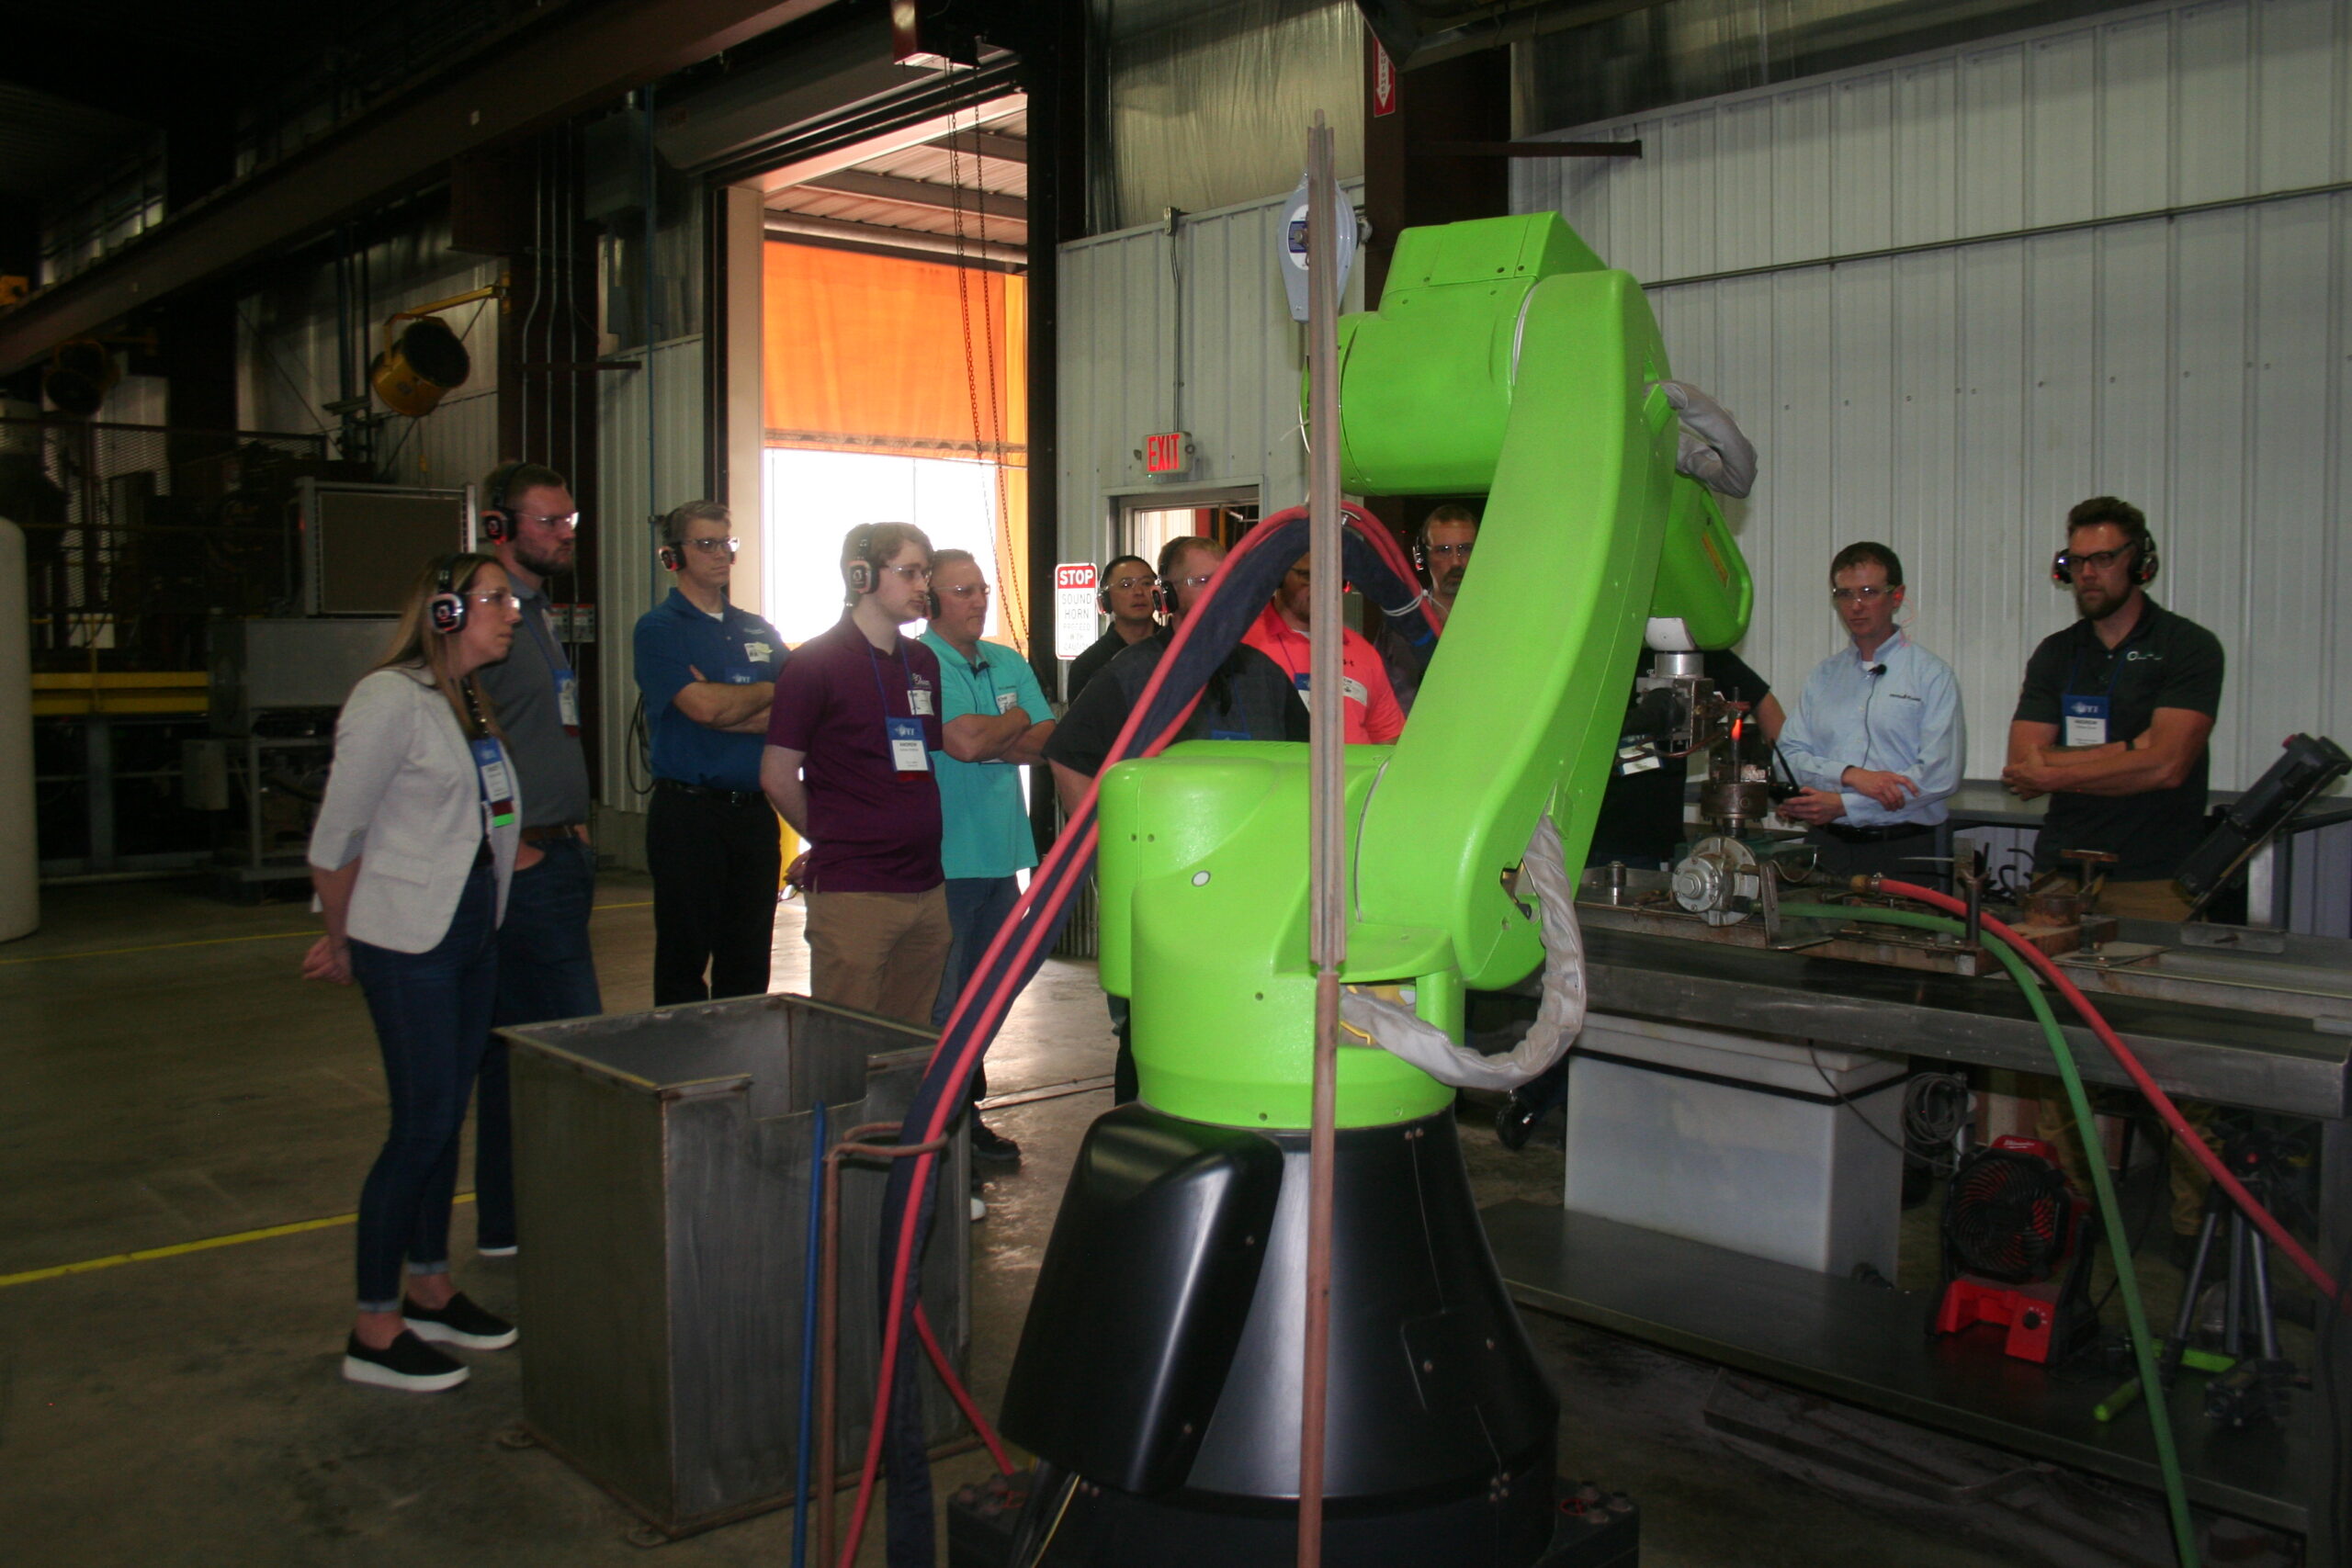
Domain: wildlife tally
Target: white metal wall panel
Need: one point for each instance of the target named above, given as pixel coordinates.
(2059, 330)
(627, 582)
(1122, 306)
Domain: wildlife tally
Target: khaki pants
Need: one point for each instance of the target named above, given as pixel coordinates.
(880, 953)
(2158, 900)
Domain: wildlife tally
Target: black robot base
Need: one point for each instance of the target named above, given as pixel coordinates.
(1160, 1365)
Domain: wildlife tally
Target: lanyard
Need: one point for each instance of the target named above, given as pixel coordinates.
(874, 663)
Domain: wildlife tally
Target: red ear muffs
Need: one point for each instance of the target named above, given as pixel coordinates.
(449, 612)
(494, 527)
(670, 558)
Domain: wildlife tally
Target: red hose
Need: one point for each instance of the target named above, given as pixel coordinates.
(2156, 1097)
(956, 1388)
(993, 1004)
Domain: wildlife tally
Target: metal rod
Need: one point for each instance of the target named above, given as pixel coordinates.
(1326, 822)
(2266, 1316)
(812, 1266)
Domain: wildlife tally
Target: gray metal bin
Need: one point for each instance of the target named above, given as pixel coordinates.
(662, 1169)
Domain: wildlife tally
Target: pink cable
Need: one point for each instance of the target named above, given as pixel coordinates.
(2147, 1086)
(995, 1003)
(956, 1388)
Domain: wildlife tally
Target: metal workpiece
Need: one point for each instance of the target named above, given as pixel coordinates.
(2281, 975)
(663, 1165)
(2202, 1053)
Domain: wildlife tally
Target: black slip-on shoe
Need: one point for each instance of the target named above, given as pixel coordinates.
(459, 1323)
(408, 1362)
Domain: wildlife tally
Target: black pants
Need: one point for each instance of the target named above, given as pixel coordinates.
(715, 868)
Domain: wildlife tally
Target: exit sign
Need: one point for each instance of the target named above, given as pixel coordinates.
(1170, 453)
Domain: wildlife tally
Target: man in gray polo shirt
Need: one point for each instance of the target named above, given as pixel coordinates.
(545, 967)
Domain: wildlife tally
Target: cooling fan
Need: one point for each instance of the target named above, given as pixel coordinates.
(2017, 1251)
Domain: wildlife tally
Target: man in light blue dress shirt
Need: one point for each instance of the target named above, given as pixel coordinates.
(1877, 736)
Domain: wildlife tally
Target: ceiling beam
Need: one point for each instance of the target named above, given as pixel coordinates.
(988, 144)
(538, 77)
(798, 225)
(925, 194)
(918, 134)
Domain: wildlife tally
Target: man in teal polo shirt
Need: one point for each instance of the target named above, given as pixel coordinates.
(993, 719)
(707, 672)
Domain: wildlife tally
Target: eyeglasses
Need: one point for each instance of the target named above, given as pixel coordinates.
(560, 520)
(490, 600)
(1446, 552)
(714, 546)
(910, 574)
(1176, 582)
(1125, 584)
(2098, 560)
(965, 590)
(1870, 595)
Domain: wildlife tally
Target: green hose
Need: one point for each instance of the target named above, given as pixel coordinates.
(2143, 1345)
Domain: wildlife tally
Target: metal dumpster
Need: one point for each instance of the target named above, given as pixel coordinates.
(662, 1171)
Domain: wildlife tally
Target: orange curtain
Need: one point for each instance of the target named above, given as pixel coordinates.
(909, 358)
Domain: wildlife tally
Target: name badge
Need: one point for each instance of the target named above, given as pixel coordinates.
(567, 700)
(1004, 701)
(1350, 689)
(908, 753)
(497, 783)
(919, 702)
(758, 653)
(2086, 720)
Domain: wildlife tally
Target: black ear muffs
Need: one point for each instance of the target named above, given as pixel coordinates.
(2146, 564)
(857, 573)
(496, 525)
(1102, 600)
(446, 608)
(670, 558)
(1163, 599)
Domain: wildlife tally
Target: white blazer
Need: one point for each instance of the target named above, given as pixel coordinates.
(403, 799)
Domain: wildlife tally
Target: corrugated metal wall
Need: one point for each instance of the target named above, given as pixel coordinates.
(2113, 289)
(290, 366)
(628, 582)
(1125, 300)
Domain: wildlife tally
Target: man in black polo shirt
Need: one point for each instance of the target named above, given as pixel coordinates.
(2111, 724)
(2113, 718)
(1248, 698)
(1124, 596)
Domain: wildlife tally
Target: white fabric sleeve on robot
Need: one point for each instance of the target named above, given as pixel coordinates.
(1559, 1017)
(1712, 448)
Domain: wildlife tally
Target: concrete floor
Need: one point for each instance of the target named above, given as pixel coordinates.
(166, 1079)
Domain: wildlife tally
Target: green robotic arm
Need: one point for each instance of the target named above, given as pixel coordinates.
(1504, 358)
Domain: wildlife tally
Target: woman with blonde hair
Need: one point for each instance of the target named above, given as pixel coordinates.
(411, 857)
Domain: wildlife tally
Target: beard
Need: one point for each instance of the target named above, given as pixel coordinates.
(2098, 603)
(555, 559)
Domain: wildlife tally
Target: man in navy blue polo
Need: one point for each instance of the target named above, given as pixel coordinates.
(708, 671)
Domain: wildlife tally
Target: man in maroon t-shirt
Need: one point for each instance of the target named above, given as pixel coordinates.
(848, 764)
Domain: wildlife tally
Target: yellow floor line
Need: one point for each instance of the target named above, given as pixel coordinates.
(208, 1243)
(310, 932)
(160, 946)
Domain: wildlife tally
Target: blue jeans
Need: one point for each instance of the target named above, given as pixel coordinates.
(546, 971)
(432, 1013)
(976, 910)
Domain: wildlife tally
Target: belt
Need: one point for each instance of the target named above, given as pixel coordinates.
(550, 831)
(1846, 835)
(704, 792)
